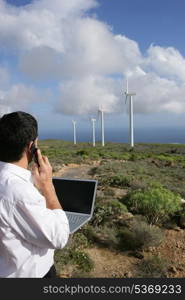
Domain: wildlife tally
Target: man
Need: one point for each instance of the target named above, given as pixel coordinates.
(32, 221)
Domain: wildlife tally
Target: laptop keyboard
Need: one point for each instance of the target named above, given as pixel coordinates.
(75, 219)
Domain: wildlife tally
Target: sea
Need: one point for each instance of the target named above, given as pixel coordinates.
(120, 135)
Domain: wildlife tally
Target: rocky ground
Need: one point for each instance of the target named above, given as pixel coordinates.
(109, 263)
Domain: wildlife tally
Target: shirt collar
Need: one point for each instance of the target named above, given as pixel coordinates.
(16, 170)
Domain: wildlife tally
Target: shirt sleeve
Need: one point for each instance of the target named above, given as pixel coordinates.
(41, 226)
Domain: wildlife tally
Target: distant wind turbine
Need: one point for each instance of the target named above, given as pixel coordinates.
(101, 111)
(74, 131)
(93, 127)
(131, 113)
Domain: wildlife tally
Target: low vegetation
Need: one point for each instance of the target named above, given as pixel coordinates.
(156, 203)
(153, 267)
(140, 194)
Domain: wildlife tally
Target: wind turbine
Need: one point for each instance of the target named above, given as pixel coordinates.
(101, 111)
(74, 131)
(131, 114)
(93, 126)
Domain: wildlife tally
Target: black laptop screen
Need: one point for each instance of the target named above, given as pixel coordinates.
(75, 195)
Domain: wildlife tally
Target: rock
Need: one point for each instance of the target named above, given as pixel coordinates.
(100, 193)
(126, 216)
(178, 245)
(119, 193)
(177, 228)
(151, 249)
(172, 269)
(128, 275)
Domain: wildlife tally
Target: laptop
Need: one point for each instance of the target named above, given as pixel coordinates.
(77, 197)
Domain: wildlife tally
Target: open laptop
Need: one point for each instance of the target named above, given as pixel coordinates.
(77, 197)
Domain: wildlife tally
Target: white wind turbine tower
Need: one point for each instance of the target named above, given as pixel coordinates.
(131, 113)
(101, 111)
(93, 127)
(74, 131)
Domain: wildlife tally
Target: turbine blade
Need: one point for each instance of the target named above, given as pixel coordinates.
(127, 85)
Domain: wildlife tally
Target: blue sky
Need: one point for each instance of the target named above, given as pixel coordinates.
(79, 55)
(147, 21)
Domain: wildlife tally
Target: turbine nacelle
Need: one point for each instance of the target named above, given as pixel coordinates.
(129, 95)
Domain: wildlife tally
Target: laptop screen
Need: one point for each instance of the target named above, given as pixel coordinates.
(75, 195)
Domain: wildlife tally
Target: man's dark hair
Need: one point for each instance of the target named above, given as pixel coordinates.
(17, 130)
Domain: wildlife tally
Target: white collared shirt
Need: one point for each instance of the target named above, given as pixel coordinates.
(29, 232)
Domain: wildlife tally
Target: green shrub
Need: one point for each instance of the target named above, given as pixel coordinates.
(140, 236)
(77, 258)
(149, 236)
(89, 232)
(79, 241)
(109, 192)
(108, 211)
(133, 157)
(125, 156)
(82, 153)
(156, 203)
(94, 156)
(83, 261)
(153, 267)
(128, 240)
(120, 180)
(102, 235)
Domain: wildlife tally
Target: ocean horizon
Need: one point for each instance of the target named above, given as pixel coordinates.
(149, 135)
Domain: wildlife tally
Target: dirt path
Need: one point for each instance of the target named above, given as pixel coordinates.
(76, 171)
(109, 264)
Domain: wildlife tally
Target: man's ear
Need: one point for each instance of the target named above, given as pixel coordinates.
(30, 146)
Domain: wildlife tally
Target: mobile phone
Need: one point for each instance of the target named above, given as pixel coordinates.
(35, 155)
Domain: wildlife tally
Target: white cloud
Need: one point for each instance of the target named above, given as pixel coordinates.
(89, 48)
(156, 94)
(21, 97)
(166, 62)
(38, 24)
(86, 95)
(153, 94)
(59, 40)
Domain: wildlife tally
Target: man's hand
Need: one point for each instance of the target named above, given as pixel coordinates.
(42, 175)
(42, 178)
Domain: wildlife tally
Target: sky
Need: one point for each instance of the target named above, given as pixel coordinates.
(62, 60)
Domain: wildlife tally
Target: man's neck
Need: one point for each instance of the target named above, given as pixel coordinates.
(23, 163)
